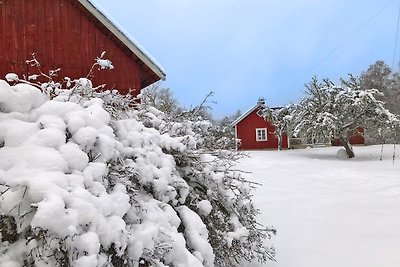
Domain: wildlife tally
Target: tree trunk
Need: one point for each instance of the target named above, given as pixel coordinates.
(279, 142)
(278, 135)
(347, 146)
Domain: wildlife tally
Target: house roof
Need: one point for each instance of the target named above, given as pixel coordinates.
(247, 113)
(244, 115)
(127, 40)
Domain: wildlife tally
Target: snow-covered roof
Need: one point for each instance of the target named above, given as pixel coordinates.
(244, 115)
(247, 113)
(124, 37)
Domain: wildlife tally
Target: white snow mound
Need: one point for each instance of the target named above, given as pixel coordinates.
(58, 183)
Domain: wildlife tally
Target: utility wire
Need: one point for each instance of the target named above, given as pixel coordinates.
(368, 21)
(396, 38)
(393, 62)
(334, 50)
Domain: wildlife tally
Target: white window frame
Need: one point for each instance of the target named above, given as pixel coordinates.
(262, 130)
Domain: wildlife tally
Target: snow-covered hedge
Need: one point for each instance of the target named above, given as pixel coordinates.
(86, 180)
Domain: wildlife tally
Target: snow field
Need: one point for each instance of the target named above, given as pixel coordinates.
(329, 211)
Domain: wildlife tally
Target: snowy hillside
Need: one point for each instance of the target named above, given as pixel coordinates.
(327, 211)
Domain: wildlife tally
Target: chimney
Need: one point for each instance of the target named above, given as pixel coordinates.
(261, 101)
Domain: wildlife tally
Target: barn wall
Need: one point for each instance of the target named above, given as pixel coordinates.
(64, 35)
(246, 131)
(355, 138)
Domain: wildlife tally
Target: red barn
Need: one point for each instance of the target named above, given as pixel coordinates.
(253, 132)
(355, 138)
(70, 35)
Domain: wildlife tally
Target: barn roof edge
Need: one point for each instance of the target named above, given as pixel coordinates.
(125, 38)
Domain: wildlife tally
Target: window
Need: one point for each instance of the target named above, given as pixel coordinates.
(261, 134)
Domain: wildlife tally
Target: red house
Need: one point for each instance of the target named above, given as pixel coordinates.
(70, 35)
(253, 132)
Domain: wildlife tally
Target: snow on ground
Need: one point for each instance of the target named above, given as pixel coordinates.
(328, 211)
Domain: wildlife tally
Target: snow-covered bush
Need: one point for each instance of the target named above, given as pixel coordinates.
(86, 180)
(220, 134)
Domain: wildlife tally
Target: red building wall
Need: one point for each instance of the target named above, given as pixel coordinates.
(246, 132)
(357, 138)
(354, 138)
(63, 34)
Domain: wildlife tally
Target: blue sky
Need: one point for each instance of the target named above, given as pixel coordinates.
(242, 50)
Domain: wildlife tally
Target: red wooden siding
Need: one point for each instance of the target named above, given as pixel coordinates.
(63, 34)
(246, 132)
(357, 138)
(354, 138)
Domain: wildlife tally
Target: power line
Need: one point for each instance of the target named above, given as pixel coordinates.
(348, 38)
(396, 39)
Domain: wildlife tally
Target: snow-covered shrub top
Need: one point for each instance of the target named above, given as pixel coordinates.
(87, 181)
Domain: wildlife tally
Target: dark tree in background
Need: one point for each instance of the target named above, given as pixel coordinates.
(381, 77)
